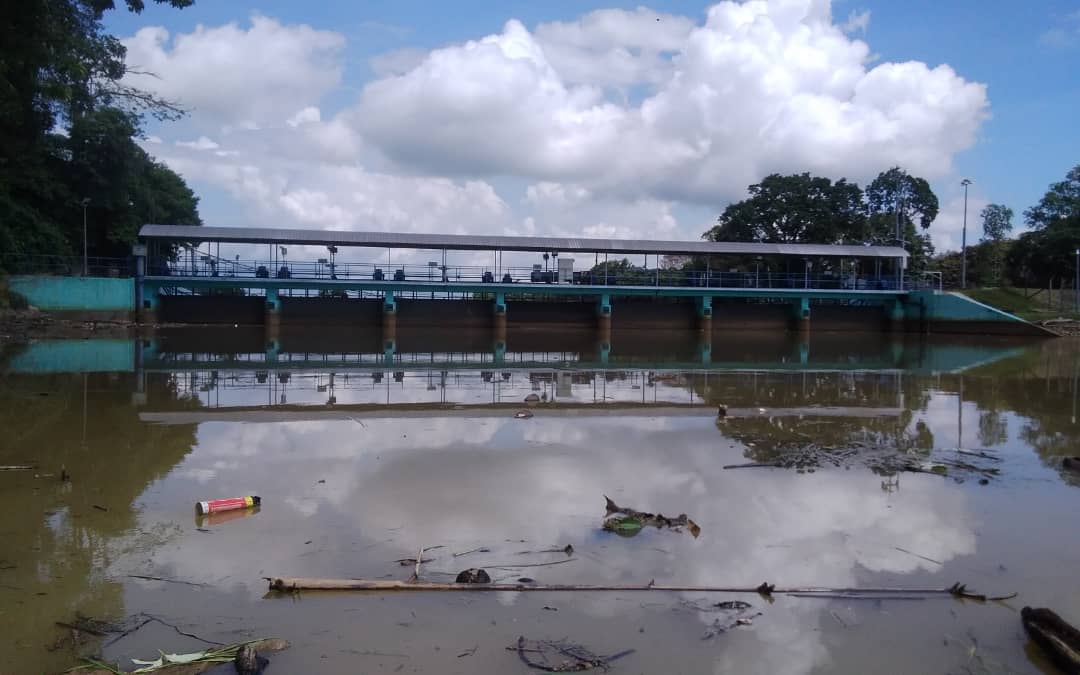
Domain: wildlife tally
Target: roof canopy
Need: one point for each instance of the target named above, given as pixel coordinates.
(469, 242)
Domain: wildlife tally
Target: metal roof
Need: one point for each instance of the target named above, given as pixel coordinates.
(470, 242)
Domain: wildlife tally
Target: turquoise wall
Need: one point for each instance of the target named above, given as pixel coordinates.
(75, 356)
(88, 294)
(953, 307)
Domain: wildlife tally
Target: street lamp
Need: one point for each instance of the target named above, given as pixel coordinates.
(1076, 286)
(84, 203)
(963, 238)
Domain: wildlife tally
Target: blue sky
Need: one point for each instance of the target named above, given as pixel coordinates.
(1013, 142)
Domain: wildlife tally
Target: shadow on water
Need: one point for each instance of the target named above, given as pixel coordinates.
(363, 452)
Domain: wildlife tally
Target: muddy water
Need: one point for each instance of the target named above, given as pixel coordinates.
(414, 456)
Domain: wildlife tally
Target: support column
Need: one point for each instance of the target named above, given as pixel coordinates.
(389, 347)
(389, 317)
(149, 304)
(273, 348)
(895, 310)
(704, 313)
(272, 318)
(603, 313)
(500, 317)
(498, 351)
(801, 312)
(139, 251)
(705, 347)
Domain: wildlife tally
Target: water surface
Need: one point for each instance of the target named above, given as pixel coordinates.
(362, 463)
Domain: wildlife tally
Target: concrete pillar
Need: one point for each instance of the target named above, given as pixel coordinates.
(273, 348)
(603, 315)
(500, 316)
(149, 304)
(389, 317)
(804, 349)
(603, 349)
(801, 314)
(895, 309)
(705, 347)
(498, 351)
(272, 318)
(704, 313)
(389, 347)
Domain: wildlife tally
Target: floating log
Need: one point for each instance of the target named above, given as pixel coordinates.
(1058, 639)
(290, 584)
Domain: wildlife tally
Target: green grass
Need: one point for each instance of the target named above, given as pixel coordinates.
(1013, 301)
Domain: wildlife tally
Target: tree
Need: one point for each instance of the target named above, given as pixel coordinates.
(896, 200)
(1047, 253)
(794, 208)
(60, 98)
(1061, 203)
(996, 222)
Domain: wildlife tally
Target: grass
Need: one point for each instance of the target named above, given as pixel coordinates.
(1013, 301)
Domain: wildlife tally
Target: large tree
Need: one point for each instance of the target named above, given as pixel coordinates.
(66, 130)
(1047, 253)
(899, 203)
(794, 208)
(996, 225)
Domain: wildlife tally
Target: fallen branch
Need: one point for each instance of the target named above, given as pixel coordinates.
(292, 584)
(147, 577)
(18, 467)
(904, 550)
(753, 465)
(544, 564)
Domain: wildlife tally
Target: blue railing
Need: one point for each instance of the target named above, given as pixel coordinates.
(69, 266)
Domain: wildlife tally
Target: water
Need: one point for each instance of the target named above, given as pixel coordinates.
(417, 455)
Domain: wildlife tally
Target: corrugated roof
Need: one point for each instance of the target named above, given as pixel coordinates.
(470, 242)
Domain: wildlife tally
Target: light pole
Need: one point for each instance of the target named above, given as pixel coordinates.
(963, 238)
(85, 202)
(1076, 286)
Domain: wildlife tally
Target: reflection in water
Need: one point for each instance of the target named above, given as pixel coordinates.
(361, 464)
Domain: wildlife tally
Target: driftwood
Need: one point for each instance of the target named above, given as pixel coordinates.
(18, 467)
(1058, 639)
(292, 584)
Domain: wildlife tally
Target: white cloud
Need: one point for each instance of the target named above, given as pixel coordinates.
(760, 87)
(857, 22)
(234, 75)
(202, 143)
(1065, 34)
(305, 116)
(154, 139)
(619, 123)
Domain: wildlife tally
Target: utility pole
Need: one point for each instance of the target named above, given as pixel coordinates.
(85, 202)
(963, 238)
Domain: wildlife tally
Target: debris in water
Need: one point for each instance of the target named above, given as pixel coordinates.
(194, 662)
(1071, 464)
(473, 576)
(631, 522)
(561, 656)
(17, 467)
(1059, 639)
(230, 504)
(532, 398)
(523, 414)
(99, 507)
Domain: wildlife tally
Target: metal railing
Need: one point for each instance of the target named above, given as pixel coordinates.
(69, 266)
(301, 269)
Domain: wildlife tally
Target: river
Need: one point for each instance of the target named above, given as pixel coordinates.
(361, 463)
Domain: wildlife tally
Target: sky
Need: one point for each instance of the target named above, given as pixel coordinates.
(599, 118)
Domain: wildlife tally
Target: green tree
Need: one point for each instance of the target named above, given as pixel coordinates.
(1046, 254)
(60, 77)
(794, 208)
(996, 224)
(896, 200)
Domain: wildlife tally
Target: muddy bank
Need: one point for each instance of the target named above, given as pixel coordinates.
(18, 326)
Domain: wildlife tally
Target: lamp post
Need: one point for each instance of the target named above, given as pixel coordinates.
(84, 203)
(963, 238)
(1076, 286)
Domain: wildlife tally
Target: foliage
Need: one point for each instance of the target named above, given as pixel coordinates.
(996, 222)
(796, 208)
(811, 209)
(66, 133)
(1048, 251)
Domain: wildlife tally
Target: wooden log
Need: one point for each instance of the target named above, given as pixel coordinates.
(288, 584)
(1055, 636)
